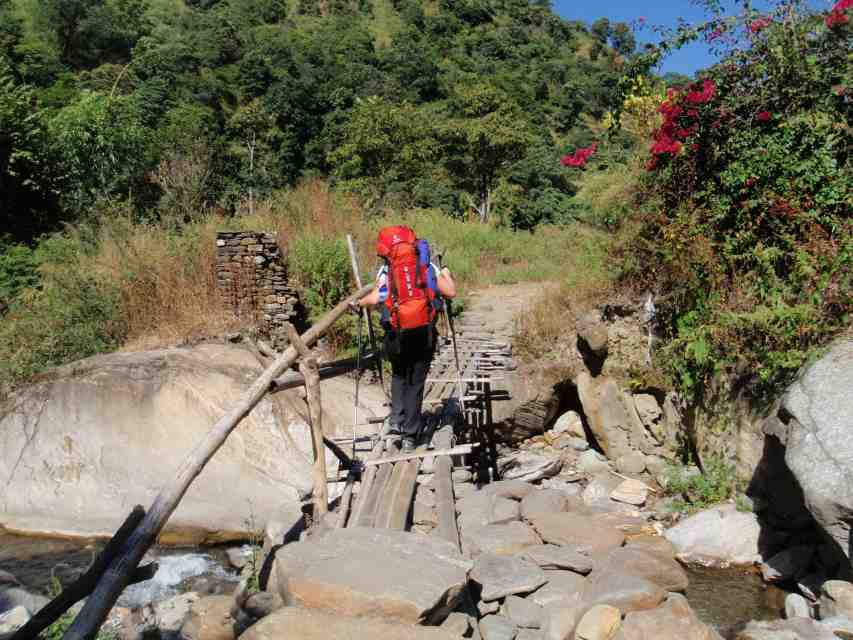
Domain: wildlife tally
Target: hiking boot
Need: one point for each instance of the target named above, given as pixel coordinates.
(408, 445)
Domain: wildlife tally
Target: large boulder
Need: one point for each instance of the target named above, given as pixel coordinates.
(582, 533)
(717, 537)
(310, 624)
(90, 439)
(817, 414)
(394, 574)
(657, 568)
(502, 576)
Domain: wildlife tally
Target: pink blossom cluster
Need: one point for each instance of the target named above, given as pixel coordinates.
(580, 157)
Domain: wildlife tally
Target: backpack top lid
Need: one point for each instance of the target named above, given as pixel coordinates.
(389, 237)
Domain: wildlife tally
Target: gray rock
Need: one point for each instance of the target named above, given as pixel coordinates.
(485, 608)
(501, 576)
(597, 492)
(499, 539)
(634, 462)
(625, 592)
(419, 579)
(11, 597)
(543, 501)
(238, 557)
(673, 620)
(551, 556)
(168, 616)
(522, 612)
(788, 564)
(816, 413)
(592, 332)
(573, 443)
(793, 629)
(560, 620)
(497, 628)
(480, 509)
(841, 626)
(720, 536)
(659, 569)
(515, 489)
(570, 424)
(528, 634)
(836, 599)
(461, 475)
(796, 606)
(13, 619)
(648, 409)
(654, 543)
(530, 467)
(631, 492)
(599, 623)
(260, 605)
(457, 623)
(570, 486)
(582, 533)
(562, 589)
(592, 462)
(8, 580)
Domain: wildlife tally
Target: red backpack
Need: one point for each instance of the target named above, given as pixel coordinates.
(412, 296)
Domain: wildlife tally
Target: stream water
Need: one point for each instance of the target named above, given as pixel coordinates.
(723, 598)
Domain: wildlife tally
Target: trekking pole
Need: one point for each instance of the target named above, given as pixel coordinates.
(370, 334)
(448, 318)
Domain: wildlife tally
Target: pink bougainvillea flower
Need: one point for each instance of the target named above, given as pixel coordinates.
(760, 24)
(580, 157)
(843, 5)
(763, 116)
(836, 19)
(665, 144)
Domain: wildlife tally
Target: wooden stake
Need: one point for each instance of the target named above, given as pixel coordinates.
(118, 575)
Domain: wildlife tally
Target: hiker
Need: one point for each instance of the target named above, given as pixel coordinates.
(411, 301)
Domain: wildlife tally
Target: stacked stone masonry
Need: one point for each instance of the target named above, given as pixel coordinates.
(252, 279)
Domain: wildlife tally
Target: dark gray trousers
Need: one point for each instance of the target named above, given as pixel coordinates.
(410, 357)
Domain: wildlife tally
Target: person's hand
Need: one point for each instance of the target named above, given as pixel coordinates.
(445, 272)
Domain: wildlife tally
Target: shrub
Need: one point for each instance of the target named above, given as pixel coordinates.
(696, 491)
(749, 240)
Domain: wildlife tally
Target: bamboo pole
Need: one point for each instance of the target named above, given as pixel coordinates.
(117, 576)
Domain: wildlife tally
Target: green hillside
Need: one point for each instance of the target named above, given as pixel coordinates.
(463, 105)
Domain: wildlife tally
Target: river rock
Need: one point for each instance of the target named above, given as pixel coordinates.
(528, 634)
(90, 438)
(529, 467)
(501, 576)
(582, 533)
(499, 539)
(311, 624)
(599, 623)
(634, 462)
(522, 612)
(653, 543)
(592, 333)
(573, 443)
(658, 569)
(631, 492)
(673, 620)
(717, 537)
(616, 431)
(420, 579)
(210, 619)
(514, 489)
(570, 424)
(551, 556)
(597, 492)
(238, 557)
(562, 589)
(480, 509)
(497, 628)
(263, 603)
(591, 462)
(8, 580)
(648, 409)
(836, 599)
(543, 501)
(625, 592)
(13, 619)
(457, 623)
(793, 629)
(168, 616)
(788, 564)
(796, 606)
(559, 622)
(14, 596)
(816, 413)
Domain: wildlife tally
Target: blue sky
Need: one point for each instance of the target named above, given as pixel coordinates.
(660, 12)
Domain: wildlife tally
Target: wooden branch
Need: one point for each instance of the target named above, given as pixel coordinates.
(343, 458)
(459, 450)
(444, 502)
(308, 367)
(117, 576)
(293, 380)
(346, 500)
(85, 584)
(296, 341)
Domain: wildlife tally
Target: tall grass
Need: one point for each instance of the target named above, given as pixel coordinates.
(124, 284)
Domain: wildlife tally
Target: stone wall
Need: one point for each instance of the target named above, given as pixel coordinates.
(251, 275)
